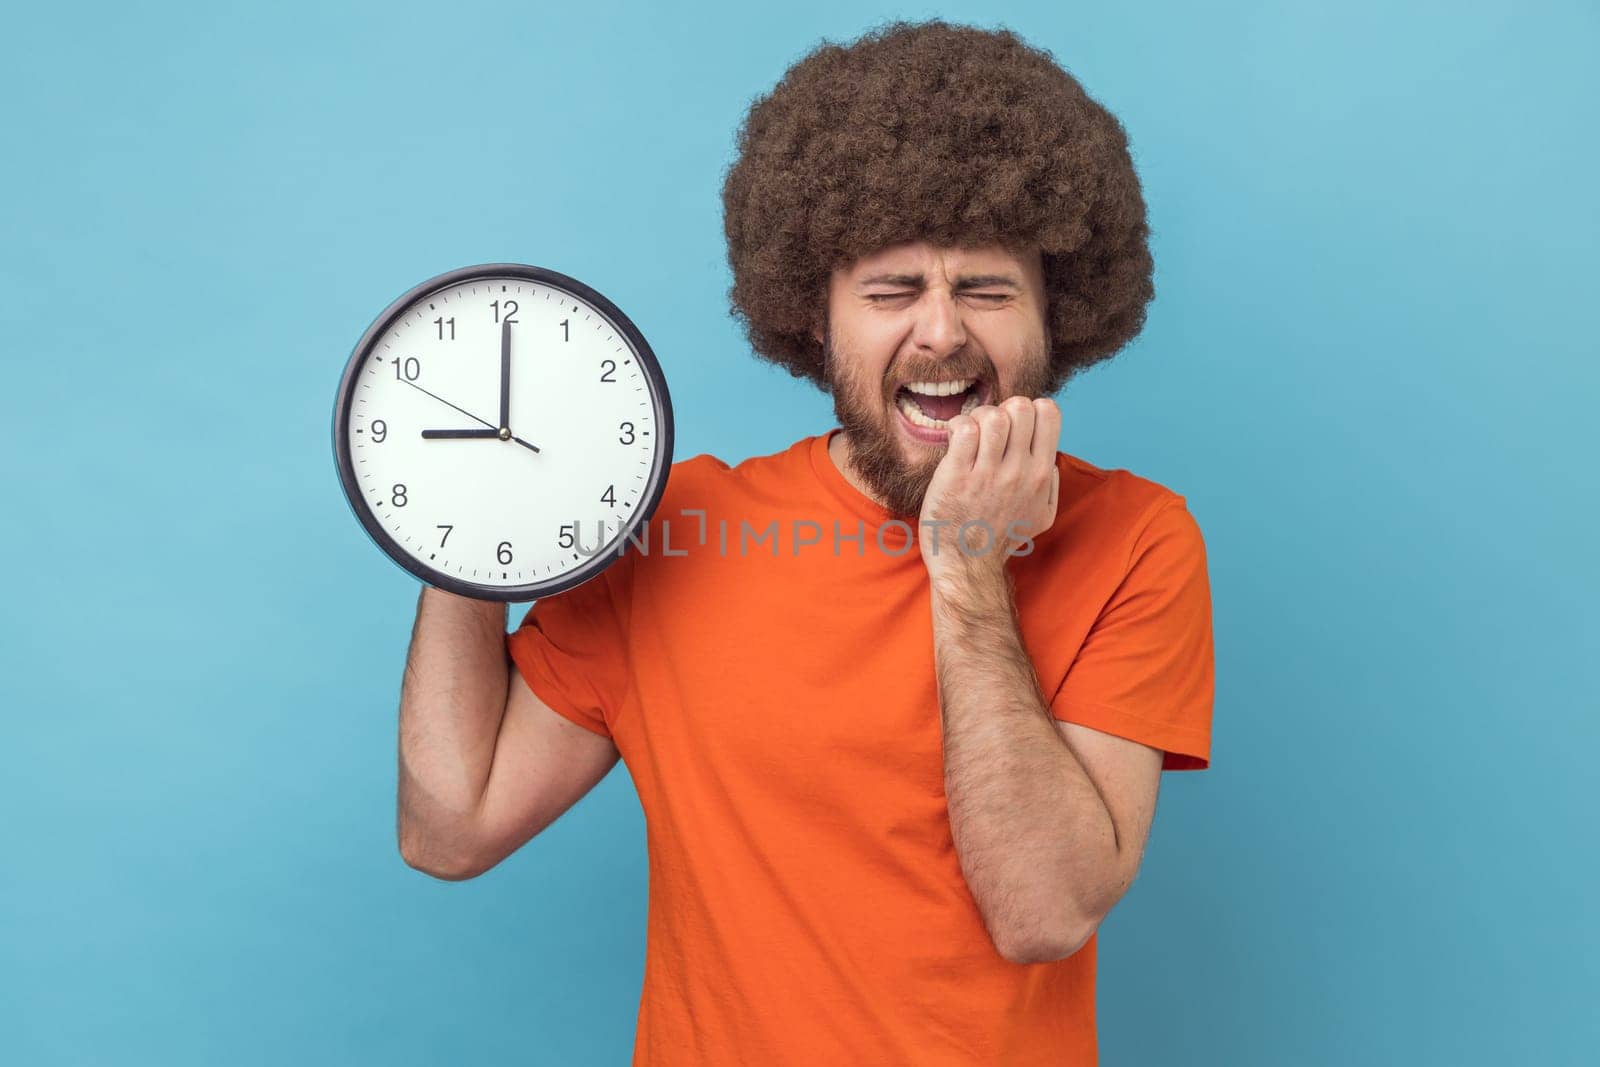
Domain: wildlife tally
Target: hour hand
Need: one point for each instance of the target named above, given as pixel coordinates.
(470, 435)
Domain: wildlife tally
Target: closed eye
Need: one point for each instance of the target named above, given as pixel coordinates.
(993, 297)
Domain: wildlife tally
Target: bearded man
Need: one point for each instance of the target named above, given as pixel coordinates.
(896, 698)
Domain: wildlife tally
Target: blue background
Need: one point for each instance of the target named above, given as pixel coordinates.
(1370, 367)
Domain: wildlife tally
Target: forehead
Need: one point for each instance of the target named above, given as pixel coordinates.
(920, 257)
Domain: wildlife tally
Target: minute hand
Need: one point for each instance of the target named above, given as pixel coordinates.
(505, 373)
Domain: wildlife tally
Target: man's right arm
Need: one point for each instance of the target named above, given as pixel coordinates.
(484, 763)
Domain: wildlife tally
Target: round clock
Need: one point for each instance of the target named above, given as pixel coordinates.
(501, 429)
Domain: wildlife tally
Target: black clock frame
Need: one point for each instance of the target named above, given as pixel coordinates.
(655, 482)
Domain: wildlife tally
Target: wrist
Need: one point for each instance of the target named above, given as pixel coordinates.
(970, 580)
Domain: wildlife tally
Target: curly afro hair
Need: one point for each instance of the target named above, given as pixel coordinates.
(951, 134)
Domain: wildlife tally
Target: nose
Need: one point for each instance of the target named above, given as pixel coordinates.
(938, 330)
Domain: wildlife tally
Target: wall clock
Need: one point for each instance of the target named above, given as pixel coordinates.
(501, 429)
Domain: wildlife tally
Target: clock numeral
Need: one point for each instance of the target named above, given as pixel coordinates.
(398, 495)
(566, 540)
(609, 496)
(443, 323)
(510, 309)
(409, 370)
(565, 335)
(627, 433)
(502, 552)
(611, 368)
(446, 530)
(380, 431)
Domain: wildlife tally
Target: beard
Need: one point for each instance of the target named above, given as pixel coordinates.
(868, 417)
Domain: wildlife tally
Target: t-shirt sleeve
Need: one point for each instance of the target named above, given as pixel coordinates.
(1145, 671)
(572, 648)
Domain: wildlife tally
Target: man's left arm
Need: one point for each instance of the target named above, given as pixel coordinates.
(1049, 819)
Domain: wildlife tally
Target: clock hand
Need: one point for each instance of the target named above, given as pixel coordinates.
(505, 373)
(504, 435)
(460, 435)
(475, 435)
(442, 400)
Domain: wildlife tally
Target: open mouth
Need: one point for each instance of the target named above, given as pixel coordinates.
(931, 405)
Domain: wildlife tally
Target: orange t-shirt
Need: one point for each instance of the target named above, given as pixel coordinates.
(771, 690)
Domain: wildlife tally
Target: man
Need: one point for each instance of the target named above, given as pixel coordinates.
(890, 794)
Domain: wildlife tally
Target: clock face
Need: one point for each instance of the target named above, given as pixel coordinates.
(501, 429)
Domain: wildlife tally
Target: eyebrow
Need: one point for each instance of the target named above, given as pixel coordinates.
(966, 281)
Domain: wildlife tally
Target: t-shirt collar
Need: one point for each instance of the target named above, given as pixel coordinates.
(838, 486)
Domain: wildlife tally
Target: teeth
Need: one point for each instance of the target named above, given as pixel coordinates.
(940, 388)
(909, 409)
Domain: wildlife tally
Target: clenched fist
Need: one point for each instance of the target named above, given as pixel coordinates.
(996, 486)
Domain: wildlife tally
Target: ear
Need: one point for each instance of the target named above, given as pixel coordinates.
(820, 312)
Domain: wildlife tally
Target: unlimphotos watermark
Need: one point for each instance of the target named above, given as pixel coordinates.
(973, 538)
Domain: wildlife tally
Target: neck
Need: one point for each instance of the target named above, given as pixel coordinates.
(839, 452)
